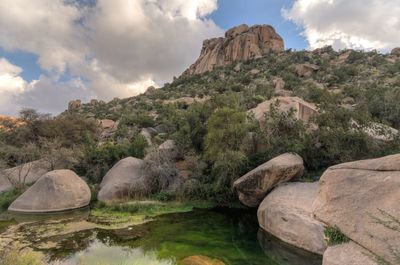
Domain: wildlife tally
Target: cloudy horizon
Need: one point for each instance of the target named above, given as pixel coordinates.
(53, 51)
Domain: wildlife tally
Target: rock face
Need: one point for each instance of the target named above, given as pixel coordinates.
(57, 190)
(31, 171)
(201, 260)
(74, 104)
(287, 214)
(240, 43)
(395, 51)
(253, 186)
(126, 179)
(303, 109)
(348, 253)
(306, 70)
(108, 128)
(362, 199)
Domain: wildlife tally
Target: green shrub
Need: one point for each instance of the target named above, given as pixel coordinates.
(7, 197)
(335, 236)
(26, 257)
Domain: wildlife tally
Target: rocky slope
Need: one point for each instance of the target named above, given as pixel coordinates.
(240, 43)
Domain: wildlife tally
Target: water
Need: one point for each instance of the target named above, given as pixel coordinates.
(231, 236)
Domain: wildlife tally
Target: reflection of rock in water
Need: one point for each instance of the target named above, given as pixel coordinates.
(284, 253)
(73, 215)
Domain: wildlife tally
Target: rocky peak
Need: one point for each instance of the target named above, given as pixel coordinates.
(240, 43)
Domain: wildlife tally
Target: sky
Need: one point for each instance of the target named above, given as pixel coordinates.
(54, 51)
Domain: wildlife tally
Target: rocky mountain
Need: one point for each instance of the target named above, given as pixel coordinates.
(240, 43)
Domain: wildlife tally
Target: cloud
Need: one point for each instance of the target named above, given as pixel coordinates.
(117, 47)
(357, 24)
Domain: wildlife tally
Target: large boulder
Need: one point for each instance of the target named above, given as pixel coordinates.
(306, 70)
(348, 254)
(31, 172)
(287, 214)
(57, 190)
(253, 186)
(362, 199)
(240, 44)
(395, 51)
(303, 110)
(126, 179)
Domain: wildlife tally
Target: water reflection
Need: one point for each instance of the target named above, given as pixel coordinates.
(228, 235)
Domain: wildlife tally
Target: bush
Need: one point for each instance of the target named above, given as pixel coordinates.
(26, 257)
(7, 197)
(335, 236)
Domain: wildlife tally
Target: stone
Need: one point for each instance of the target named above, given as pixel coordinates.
(57, 190)
(74, 104)
(306, 70)
(255, 185)
(201, 260)
(395, 51)
(254, 71)
(147, 135)
(362, 199)
(348, 254)
(108, 128)
(287, 214)
(170, 150)
(239, 44)
(31, 171)
(237, 68)
(125, 180)
(303, 110)
(278, 83)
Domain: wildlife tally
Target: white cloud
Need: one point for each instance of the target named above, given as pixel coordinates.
(357, 24)
(118, 47)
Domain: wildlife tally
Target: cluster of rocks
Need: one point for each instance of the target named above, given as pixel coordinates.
(239, 44)
(359, 198)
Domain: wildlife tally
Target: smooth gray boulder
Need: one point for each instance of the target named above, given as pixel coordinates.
(170, 150)
(127, 179)
(287, 214)
(255, 185)
(58, 190)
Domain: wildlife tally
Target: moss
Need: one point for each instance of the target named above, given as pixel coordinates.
(26, 257)
(137, 212)
(335, 236)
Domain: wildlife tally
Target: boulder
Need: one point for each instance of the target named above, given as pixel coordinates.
(126, 179)
(170, 150)
(74, 104)
(31, 171)
(362, 199)
(146, 133)
(348, 254)
(306, 70)
(287, 214)
(395, 51)
(239, 44)
(303, 110)
(253, 186)
(201, 260)
(58, 190)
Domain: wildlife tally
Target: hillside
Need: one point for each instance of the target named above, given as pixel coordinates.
(328, 106)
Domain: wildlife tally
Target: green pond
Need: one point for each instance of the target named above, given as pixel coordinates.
(230, 235)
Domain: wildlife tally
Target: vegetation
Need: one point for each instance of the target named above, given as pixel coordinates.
(335, 236)
(25, 257)
(219, 139)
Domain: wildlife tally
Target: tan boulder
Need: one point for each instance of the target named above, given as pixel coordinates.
(395, 51)
(170, 150)
(74, 104)
(126, 179)
(239, 44)
(201, 260)
(348, 254)
(303, 110)
(57, 190)
(362, 199)
(287, 214)
(306, 70)
(31, 172)
(253, 186)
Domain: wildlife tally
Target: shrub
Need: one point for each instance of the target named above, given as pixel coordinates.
(26, 257)
(335, 236)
